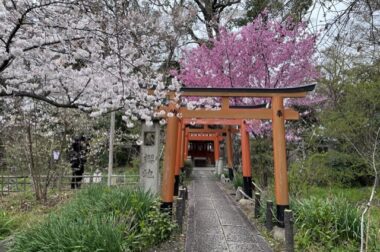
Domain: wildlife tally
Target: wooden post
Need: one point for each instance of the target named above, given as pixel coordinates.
(182, 193)
(178, 159)
(257, 205)
(186, 197)
(289, 236)
(179, 213)
(110, 150)
(229, 148)
(169, 164)
(269, 216)
(279, 154)
(246, 160)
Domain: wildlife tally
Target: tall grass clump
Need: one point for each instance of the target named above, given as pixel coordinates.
(327, 224)
(6, 224)
(238, 180)
(100, 219)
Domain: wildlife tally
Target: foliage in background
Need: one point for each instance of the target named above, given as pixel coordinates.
(262, 159)
(125, 147)
(99, 218)
(34, 131)
(328, 169)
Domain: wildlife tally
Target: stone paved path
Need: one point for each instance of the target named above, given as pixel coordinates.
(215, 223)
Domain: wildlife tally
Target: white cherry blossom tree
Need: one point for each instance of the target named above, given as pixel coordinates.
(92, 55)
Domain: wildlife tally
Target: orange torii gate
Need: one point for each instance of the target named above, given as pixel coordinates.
(204, 134)
(215, 138)
(228, 115)
(246, 161)
(182, 148)
(227, 131)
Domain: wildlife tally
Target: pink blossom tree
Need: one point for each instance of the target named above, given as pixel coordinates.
(263, 54)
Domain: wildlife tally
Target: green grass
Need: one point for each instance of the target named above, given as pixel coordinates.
(329, 223)
(355, 195)
(328, 218)
(238, 180)
(7, 224)
(99, 219)
(22, 210)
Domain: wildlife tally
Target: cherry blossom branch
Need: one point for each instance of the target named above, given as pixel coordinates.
(43, 98)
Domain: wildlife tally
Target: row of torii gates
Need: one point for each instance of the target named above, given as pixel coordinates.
(178, 135)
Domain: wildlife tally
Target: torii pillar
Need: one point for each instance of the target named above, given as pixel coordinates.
(279, 155)
(246, 160)
(167, 191)
(216, 149)
(229, 148)
(186, 146)
(178, 159)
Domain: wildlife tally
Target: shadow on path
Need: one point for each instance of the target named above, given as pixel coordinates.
(215, 222)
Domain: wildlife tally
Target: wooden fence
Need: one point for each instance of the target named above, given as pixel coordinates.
(13, 183)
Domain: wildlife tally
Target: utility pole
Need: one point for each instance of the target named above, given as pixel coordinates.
(110, 153)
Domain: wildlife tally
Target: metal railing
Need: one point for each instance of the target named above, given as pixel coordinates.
(17, 183)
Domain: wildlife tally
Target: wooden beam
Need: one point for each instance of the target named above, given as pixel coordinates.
(187, 121)
(220, 131)
(205, 138)
(248, 114)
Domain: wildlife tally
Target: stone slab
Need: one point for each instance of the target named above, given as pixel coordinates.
(244, 247)
(215, 223)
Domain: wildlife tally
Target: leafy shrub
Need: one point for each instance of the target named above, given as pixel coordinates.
(329, 168)
(155, 228)
(100, 219)
(326, 223)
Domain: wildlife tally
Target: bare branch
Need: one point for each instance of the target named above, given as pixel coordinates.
(362, 243)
